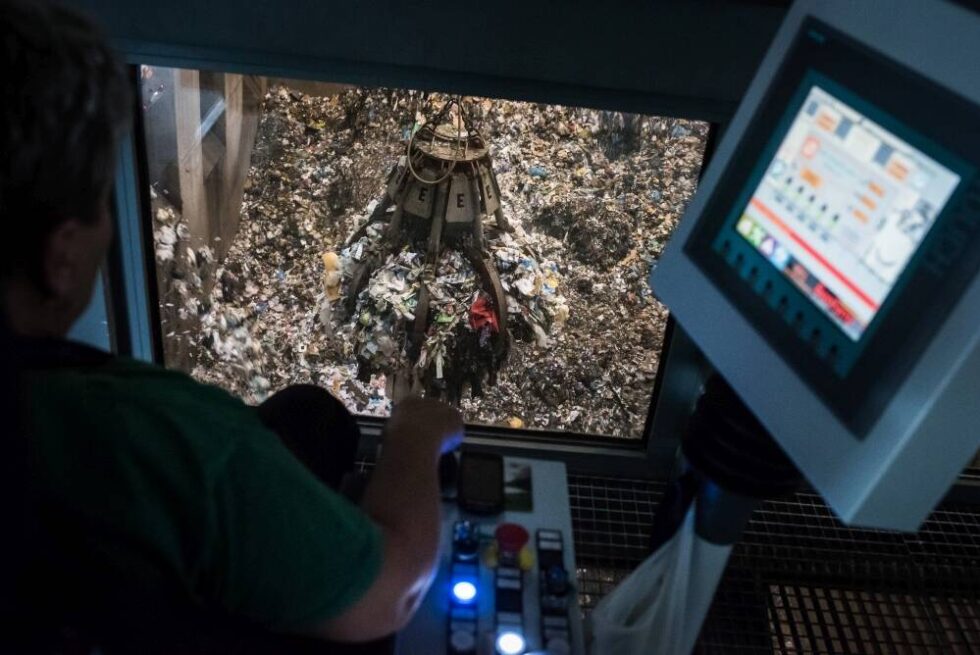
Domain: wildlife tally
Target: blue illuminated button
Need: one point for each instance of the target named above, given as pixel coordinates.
(510, 642)
(464, 591)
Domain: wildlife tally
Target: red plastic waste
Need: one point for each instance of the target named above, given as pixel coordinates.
(482, 313)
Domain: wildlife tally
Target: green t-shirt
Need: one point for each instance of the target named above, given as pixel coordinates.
(173, 479)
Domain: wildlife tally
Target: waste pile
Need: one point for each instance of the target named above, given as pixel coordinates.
(457, 346)
(592, 197)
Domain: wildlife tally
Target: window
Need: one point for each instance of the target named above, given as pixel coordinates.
(292, 239)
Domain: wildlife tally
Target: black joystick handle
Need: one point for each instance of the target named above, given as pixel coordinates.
(736, 463)
(727, 444)
(448, 467)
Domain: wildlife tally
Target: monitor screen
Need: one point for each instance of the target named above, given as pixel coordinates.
(842, 207)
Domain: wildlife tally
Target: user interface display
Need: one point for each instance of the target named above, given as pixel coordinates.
(842, 208)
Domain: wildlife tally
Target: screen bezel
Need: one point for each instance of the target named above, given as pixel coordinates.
(814, 80)
(855, 379)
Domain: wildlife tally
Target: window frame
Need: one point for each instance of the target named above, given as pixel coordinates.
(132, 271)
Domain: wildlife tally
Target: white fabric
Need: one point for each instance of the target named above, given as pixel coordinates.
(659, 608)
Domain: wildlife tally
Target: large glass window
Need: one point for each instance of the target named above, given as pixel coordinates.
(383, 241)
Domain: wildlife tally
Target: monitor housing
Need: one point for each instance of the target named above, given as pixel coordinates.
(828, 264)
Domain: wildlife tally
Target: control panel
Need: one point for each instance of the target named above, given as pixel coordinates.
(505, 583)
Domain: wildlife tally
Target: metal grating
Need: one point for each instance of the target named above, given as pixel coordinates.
(801, 582)
(611, 522)
(821, 620)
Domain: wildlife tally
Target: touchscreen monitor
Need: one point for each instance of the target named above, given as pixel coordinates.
(842, 207)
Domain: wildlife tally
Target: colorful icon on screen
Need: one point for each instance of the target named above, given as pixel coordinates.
(768, 246)
(780, 256)
(744, 226)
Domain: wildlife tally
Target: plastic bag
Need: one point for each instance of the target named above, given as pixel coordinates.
(659, 608)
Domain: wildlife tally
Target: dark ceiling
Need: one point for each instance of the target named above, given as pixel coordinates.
(690, 57)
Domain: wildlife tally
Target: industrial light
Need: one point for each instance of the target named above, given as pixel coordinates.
(464, 591)
(510, 642)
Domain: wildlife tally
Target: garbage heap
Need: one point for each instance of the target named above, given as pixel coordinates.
(419, 280)
(590, 217)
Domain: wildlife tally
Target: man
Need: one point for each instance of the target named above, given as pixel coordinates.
(157, 500)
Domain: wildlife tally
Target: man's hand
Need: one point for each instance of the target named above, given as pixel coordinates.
(424, 418)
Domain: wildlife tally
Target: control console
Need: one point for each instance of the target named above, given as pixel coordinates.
(505, 583)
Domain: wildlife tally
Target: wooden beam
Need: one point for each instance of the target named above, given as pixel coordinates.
(234, 168)
(190, 158)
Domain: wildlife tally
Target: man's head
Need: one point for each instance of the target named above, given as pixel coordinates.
(64, 103)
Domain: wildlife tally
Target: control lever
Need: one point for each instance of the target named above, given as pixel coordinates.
(448, 467)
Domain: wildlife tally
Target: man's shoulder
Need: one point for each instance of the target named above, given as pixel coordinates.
(123, 403)
(119, 378)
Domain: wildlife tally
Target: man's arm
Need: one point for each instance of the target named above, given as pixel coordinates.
(403, 499)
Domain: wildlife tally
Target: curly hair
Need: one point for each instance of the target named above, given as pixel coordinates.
(66, 101)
